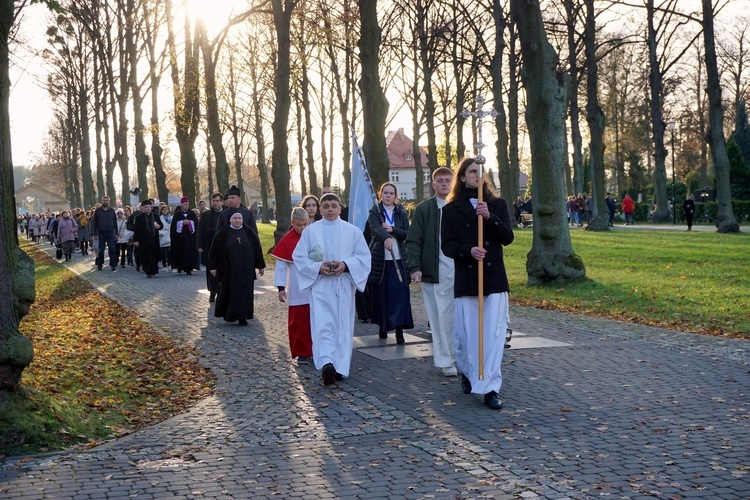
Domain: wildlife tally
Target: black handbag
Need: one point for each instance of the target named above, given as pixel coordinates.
(58, 252)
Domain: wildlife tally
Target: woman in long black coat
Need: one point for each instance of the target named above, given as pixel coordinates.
(460, 238)
(388, 280)
(234, 256)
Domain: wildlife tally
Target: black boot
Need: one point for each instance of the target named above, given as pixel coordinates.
(400, 335)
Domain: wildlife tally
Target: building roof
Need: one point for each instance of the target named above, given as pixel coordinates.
(401, 150)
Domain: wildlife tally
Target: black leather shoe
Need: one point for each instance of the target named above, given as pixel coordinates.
(492, 400)
(329, 374)
(243, 322)
(383, 335)
(338, 376)
(465, 384)
(212, 297)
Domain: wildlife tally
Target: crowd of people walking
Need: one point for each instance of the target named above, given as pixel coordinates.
(325, 266)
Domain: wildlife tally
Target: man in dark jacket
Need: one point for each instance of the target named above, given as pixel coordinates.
(428, 265)
(611, 207)
(103, 228)
(207, 229)
(234, 205)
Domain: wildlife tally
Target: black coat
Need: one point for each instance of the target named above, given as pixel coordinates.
(207, 229)
(379, 235)
(459, 235)
(148, 240)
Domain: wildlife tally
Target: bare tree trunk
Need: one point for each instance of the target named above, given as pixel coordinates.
(186, 103)
(209, 173)
(725, 220)
(501, 120)
(596, 121)
(89, 195)
(260, 144)
(572, 9)
(153, 20)
(655, 78)
(16, 268)
(513, 83)
(236, 135)
(551, 258)
(300, 145)
(212, 109)
(340, 85)
(374, 103)
(282, 14)
(428, 54)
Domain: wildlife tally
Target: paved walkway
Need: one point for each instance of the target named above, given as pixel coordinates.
(592, 407)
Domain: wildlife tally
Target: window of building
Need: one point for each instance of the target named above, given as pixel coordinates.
(394, 176)
(408, 157)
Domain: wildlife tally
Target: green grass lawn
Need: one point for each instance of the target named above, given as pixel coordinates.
(690, 281)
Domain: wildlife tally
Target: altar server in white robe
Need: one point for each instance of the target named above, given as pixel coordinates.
(333, 261)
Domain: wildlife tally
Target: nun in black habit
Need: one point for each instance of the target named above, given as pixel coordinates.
(234, 256)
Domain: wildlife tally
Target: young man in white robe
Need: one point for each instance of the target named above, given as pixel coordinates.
(429, 266)
(333, 261)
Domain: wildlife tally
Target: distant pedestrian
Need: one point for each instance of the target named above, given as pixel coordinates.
(123, 236)
(518, 207)
(165, 240)
(83, 232)
(286, 279)
(688, 206)
(146, 238)
(66, 234)
(628, 207)
(235, 255)
(183, 239)
(611, 207)
(581, 209)
(103, 230)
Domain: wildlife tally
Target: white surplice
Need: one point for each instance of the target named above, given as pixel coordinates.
(332, 298)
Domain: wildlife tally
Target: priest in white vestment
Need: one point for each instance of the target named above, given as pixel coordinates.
(333, 261)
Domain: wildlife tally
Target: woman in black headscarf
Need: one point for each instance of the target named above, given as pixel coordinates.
(234, 256)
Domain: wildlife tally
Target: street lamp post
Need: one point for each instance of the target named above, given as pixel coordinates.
(672, 125)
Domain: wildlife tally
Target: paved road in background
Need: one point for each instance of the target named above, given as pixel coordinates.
(592, 407)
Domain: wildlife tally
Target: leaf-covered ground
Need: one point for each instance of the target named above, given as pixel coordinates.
(98, 371)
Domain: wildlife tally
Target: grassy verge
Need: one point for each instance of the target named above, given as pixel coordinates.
(98, 371)
(690, 281)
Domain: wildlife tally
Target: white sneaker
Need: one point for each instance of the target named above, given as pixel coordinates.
(450, 371)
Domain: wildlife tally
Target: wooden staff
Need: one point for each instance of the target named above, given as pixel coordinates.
(480, 292)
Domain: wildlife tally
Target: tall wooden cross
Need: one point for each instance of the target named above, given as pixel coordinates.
(479, 113)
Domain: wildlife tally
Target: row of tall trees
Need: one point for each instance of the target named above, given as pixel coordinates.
(436, 56)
